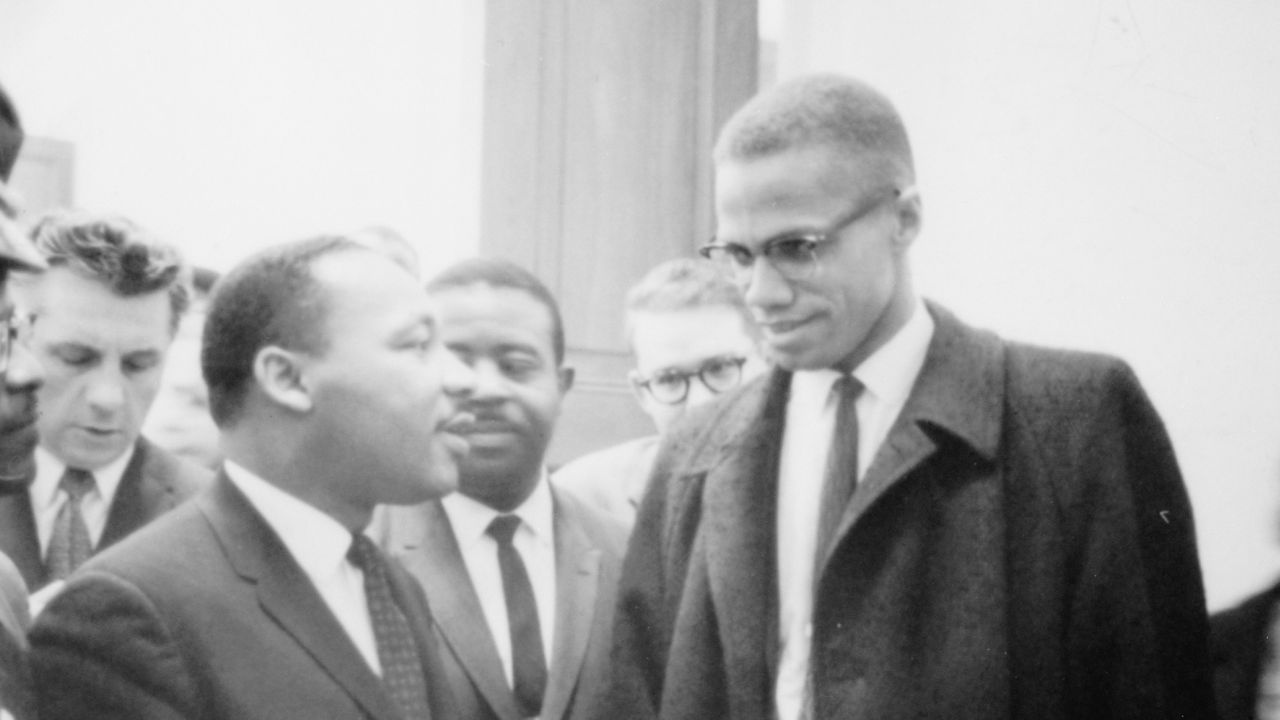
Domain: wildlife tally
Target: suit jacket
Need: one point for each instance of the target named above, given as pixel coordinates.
(1239, 643)
(612, 479)
(15, 677)
(588, 547)
(153, 483)
(1021, 547)
(205, 615)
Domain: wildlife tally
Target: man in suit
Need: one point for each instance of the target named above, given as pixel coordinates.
(262, 598)
(1246, 657)
(520, 576)
(692, 339)
(20, 376)
(103, 317)
(908, 518)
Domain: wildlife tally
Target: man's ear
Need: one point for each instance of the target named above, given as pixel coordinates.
(565, 375)
(910, 218)
(279, 375)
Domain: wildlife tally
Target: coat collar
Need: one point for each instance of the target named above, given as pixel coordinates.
(287, 595)
(957, 398)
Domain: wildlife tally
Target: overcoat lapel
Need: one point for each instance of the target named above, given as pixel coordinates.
(287, 595)
(577, 582)
(958, 395)
(422, 540)
(739, 526)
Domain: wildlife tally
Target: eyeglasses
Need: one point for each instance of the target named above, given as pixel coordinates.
(13, 329)
(671, 387)
(794, 255)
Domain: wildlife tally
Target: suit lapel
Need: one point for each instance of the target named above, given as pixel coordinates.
(19, 540)
(959, 395)
(287, 595)
(142, 494)
(422, 539)
(577, 580)
(739, 524)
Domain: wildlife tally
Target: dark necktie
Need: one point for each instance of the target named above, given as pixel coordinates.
(402, 673)
(841, 475)
(70, 545)
(528, 664)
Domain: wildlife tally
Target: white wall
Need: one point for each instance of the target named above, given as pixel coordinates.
(1103, 175)
(234, 124)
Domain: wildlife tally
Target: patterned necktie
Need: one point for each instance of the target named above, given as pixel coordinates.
(528, 664)
(402, 673)
(841, 476)
(70, 544)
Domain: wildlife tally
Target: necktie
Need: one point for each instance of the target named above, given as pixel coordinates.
(402, 672)
(528, 664)
(841, 476)
(70, 544)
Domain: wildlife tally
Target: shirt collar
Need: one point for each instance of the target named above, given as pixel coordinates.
(891, 371)
(470, 518)
(49, 470)
(887, 375)
(318, 542)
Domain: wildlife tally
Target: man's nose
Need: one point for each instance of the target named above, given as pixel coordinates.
(765, 287)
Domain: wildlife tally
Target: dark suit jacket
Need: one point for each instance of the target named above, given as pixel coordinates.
(205, 615)
(589, 546)
(153, 483)
(1238, 642)
(1021, 547)
(15, 676)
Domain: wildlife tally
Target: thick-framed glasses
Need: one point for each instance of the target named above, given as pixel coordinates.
(671, 387)
(793, 255)
(13, 330)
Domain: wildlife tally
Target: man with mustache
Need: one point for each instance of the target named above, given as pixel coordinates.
(262, 598)
(519, 574)
(21, 377)
(908, 517)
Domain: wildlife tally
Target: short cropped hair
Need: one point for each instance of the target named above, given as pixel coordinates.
(497, 273)
(117, 253)
(271, 298)
(820, 110)
(686, 284)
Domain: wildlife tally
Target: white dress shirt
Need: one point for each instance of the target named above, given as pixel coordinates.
(48, 497)
(535, 542)
(887, 378)
(319, 544)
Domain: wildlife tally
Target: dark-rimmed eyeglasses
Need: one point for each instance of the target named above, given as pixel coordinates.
(671, 387)
(793, 255)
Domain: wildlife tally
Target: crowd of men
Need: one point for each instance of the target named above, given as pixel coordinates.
(855, 504)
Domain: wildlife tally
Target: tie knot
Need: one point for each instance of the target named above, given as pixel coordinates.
(503, 528)
(847, 387)
(76, 483)
(363, 553)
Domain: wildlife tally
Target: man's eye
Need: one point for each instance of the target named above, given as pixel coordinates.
(139, 365)
(76, 358)
(517, 367)
(669, 380)
(794, 249)
(738, 254)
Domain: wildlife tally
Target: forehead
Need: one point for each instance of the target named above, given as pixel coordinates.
(364, 291)
(686, 338)
(793, 189)
(74, 308)
(481, 314)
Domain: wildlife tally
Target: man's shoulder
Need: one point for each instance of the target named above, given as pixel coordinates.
(587, 469)
(176, 543)
(602, 528)
(1245, 624)
(182, 477)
